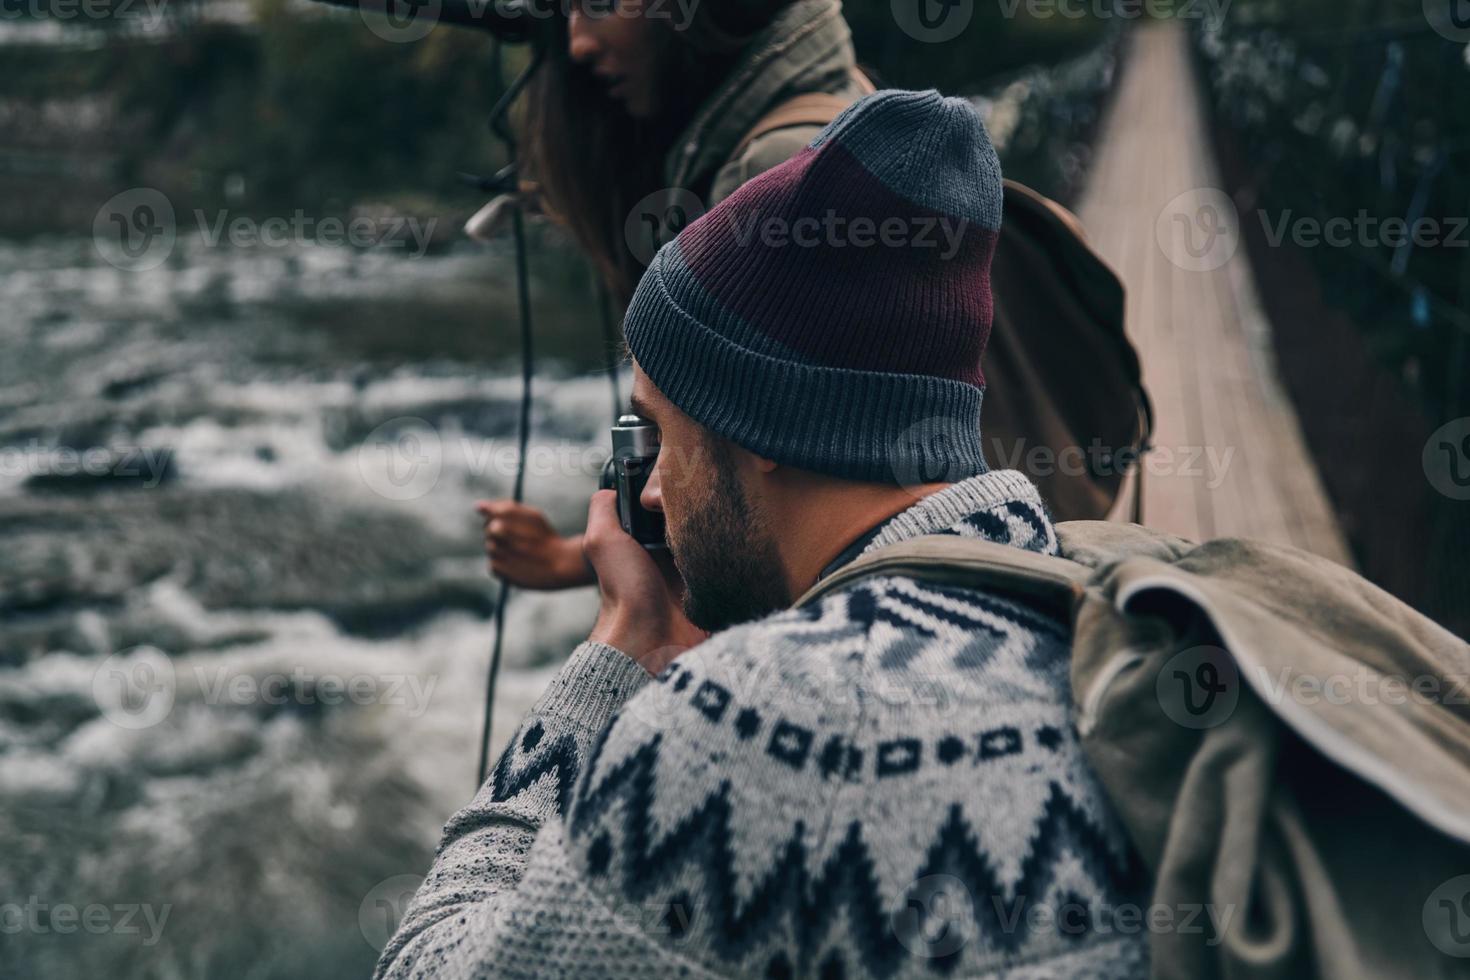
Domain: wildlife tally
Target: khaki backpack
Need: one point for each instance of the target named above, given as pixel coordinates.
(1287, 745)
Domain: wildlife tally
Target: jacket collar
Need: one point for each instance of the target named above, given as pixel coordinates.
(806, 46)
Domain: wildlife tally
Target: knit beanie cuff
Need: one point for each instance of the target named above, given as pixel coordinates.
(859, 425)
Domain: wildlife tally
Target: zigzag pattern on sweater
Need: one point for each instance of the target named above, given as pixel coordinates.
(1018, 523)
(558, 757)
(924, 611)
(906, 603)
(789, 895)
(993, 526)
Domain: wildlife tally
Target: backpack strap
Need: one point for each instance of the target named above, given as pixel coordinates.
(807, 109)
(1055, 584)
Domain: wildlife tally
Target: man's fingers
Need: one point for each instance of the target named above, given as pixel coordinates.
(493, 508)
(508, 526)
(504, 508)
(602, 519)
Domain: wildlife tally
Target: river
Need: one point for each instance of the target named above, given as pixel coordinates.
(246, 616)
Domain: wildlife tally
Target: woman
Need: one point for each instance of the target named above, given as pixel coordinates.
(632, 101)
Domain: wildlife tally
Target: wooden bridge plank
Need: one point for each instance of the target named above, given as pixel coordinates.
(1202, 336)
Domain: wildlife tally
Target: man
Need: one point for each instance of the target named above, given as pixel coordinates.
(882, 783)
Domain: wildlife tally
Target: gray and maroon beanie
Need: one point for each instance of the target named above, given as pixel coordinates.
(830, 314)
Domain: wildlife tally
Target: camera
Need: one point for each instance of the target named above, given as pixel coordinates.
(635, 449)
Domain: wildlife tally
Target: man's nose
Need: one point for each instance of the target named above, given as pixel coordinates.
(581, 39)
(652, 497)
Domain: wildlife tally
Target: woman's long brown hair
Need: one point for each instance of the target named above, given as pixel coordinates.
(591, 160)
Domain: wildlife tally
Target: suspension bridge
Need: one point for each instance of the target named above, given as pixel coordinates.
(1230, 459)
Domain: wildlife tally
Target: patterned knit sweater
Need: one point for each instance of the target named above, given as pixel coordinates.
(885, 783)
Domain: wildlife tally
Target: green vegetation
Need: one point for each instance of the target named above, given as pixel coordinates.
(1350, 111)
(308, 109)
(305, 107)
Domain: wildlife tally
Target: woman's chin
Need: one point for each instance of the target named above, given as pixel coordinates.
(635, 105)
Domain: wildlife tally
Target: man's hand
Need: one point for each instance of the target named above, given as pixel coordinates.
(641, 611)
(525, 550)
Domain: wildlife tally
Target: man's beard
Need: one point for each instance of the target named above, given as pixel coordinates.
(732, 573)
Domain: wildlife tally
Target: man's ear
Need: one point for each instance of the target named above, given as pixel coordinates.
(750, 462)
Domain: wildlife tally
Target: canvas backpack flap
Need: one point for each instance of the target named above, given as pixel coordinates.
(1308, 834)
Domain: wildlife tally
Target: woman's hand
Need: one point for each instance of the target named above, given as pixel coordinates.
(642, 610)
(525, 550)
